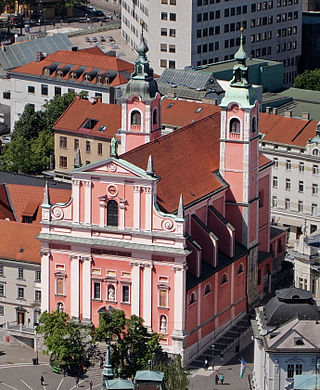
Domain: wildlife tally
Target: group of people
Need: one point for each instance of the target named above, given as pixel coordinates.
(219, 378)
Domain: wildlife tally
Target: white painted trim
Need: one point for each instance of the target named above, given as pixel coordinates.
(75, 283)
(147, 295)
(87, 202)
(179, 299)
(76, 200)
(135, 290)
(136, 207)
(102, 213)
(148, 209)
(45, 281)
(86, 290)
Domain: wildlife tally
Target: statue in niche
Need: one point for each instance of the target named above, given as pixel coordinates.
(163, 324)
(111, 295)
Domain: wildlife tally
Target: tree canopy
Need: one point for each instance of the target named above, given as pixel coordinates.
(133, 344)
(64, 339)
(310, 79)
(32, 138)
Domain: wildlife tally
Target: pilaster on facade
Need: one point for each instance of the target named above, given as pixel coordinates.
(102, 211)
(148, 208)
(76, 200)
(88, 201)
(135, 288)
(45, 280)
(147, 299)
(75, 286)
(122, 208)
(180, 300)
(86, 288)
(136, 205)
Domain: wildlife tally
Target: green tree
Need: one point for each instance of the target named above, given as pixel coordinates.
(175, 376)
(310, 79)
(64, 339)
(32, 138)
(133, 345)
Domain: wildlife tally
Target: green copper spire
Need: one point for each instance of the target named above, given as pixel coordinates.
(142, 82)
(107, 368)
(240, 90)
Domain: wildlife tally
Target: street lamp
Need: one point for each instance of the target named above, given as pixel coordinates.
(212, 348)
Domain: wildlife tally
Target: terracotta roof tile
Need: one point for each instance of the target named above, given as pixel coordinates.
(185, 160)
(283, 130)
(18, 241)
(182, 112)
(5, 208)
(81, 109)
(23, 196)
(80, 58)
(92, 50)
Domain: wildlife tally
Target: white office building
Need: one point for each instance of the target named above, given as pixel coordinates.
(181, 33)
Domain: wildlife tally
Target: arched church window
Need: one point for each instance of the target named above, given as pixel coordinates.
(240, 269)
(235, 126)
(224, 279)
(192, 298)
(155, 116)
(253, 124)
(112, 213)
(207, 289)
(135, 118)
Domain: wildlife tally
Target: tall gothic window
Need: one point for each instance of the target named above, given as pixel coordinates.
(235, 126)
(135, 118)
(112, 213)
(253, 125)
(155, 116)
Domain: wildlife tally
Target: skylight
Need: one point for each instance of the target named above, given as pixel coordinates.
(102, 128)
(198, 110)
(170, 105)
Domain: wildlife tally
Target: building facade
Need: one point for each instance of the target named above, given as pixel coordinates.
(286, 342)
(199, 32)
(87, 71)
(293, 145)
(182, 242)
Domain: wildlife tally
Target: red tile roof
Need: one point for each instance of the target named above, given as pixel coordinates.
(185, 159)
(283, 130)
(80, 58)
(180, 113)
(92, 50)
(18, 241)
(29, 199)
(73, 118)
(5, 208)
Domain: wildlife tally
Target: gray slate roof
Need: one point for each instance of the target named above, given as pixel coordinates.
(188, 84)
(18, 54)
(28, 180)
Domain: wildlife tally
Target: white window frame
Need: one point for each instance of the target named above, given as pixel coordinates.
(21, 289)
(98, 283)
(20, 273)
(122, 295)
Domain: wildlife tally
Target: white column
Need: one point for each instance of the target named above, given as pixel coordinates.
(135, 289)
(102, 204)
(147, 295)
(179, 299)
(136, 207)
(148, 208)
(86, 289)
(45, 281)
(75, 282)
(122, 208)
(76, 200)
(87, 205)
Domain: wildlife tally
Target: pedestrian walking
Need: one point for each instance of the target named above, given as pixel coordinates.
(216, 379)
(221, 379)
(91, 385)
(77, 382)
(42, 380)
(205, 364)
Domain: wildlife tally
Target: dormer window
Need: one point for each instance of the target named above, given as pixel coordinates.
(315, 152)
(89, 123)
(235, 126)
(73, 75)
(87, 77)
(59, 73)
(46, 71)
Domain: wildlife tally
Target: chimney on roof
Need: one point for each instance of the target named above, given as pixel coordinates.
(74, 48)
(275, 111)
(40, 56)
(288, 113)
(306, 116)
(268, 110)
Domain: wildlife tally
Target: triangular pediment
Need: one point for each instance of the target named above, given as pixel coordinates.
(113, 166)
(292, 339)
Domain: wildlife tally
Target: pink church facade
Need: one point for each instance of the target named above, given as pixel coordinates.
(177, 230)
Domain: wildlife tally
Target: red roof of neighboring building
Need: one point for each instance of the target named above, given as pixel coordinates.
(73, 118)
(5, 208)
(180, 113)
(283, 130)
(18, 241)
(93, 50)
(26, 200)
(84, 59)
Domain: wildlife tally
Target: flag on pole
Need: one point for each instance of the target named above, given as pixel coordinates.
(242, 367)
